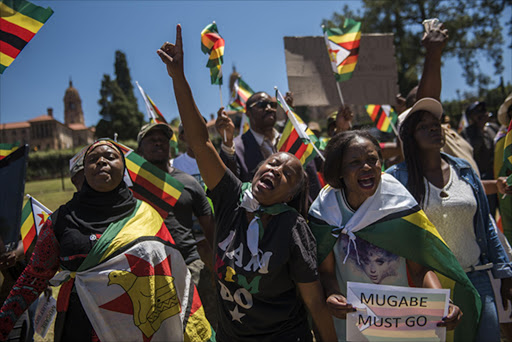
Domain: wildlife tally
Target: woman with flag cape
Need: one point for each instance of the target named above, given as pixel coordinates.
(453, 198)
(122, 277)
(264, 251)
(369, 229)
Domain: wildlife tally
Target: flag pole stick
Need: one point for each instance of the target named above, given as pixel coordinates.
(339, 93)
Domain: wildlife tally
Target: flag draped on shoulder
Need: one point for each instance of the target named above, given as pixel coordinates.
(213, 45)
(33, 216)
(241, 92)
(384, 116)
(155, 116)
(6, 149)
(343, 48)
(297, 138)
(151, 184)
(135, 286)
(392, 220)
(507, 152)
(19, 22)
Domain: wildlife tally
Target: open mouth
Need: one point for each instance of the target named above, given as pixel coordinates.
(266, 183)
(366, 182)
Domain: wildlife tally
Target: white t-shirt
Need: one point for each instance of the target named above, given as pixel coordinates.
(187, 164)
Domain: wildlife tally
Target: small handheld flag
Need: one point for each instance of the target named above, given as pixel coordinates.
(213, 44)
(155, 115)
(19, 22)
(297, 138)
(240, 95)
(33, 216)
(384, 116)
(343, 48)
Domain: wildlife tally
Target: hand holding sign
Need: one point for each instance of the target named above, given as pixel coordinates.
(338, 306)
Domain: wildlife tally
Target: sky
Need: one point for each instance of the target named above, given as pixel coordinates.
(79, 41)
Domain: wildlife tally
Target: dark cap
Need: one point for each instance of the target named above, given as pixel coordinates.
(475, 107)
(154, 125)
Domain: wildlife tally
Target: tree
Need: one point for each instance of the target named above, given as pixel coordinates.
(473, 26)
(119, 110)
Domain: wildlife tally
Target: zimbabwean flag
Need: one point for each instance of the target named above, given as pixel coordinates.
(343, 48)
(151, 184)
(384, 117)
(241, 92)
(507, 150)
(156, 116)
(33, 216)
(6, 149)
(213, 44)
(19, 22)
(392, 220)
(297, 138)
(135, 286)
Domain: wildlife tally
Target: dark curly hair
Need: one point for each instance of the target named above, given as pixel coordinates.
(334, 154)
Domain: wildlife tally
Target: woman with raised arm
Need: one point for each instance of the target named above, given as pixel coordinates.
(264, 250)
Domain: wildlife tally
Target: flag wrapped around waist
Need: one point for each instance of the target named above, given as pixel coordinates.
(135, 286)
(392, 220)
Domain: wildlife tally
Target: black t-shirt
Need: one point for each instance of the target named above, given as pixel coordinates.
(259, 301)
(192, 202)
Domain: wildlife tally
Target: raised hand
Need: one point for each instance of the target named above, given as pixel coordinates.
(225, 127)
(172, 55)
(435, 39)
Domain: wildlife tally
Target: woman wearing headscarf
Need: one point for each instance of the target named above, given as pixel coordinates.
(106, 243)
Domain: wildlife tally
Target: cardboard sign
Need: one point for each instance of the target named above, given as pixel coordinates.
(396, 313)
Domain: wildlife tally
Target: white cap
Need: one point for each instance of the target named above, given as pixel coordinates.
(427, 104)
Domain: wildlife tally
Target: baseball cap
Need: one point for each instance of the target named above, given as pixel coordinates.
(427, 104)
(474, 107)
(154, 125)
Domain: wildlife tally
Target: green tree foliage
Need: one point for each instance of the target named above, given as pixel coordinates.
(119, 110)
(473, 26)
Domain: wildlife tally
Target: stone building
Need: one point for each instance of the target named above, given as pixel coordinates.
(44, 132)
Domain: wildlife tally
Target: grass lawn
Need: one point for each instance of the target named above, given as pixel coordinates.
(50, 193)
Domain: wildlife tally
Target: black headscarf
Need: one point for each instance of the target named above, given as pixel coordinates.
(91, 211)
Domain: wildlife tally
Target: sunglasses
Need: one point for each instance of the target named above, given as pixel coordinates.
(263, 104)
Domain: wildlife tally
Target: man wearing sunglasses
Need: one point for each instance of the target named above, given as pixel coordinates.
(244, 153)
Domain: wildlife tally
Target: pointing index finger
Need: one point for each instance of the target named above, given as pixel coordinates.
(179, 43)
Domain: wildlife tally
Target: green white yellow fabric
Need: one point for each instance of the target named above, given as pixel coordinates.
(391, 219)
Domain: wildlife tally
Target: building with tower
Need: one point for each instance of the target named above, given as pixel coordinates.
(44, 132)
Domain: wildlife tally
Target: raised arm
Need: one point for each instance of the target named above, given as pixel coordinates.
(430, 83)
(210, 165)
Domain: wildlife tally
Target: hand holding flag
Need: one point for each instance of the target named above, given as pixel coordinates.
(225, 127)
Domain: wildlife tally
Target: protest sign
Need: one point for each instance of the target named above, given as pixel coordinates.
(396, 313)
(45, 313)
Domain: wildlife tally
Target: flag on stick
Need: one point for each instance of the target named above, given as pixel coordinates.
(297, 138)
(241, 92)
(384, 116)
(33, 216)
(150, 184)
(343, 48)
(155, 116)
(19, 22)
(6, 149)
(213, 44)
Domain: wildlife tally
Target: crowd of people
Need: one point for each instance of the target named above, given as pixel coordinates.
(280, 246)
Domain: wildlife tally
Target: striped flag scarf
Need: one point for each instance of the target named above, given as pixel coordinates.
(392, 220)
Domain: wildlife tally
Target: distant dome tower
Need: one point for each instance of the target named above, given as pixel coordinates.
(72, 106)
